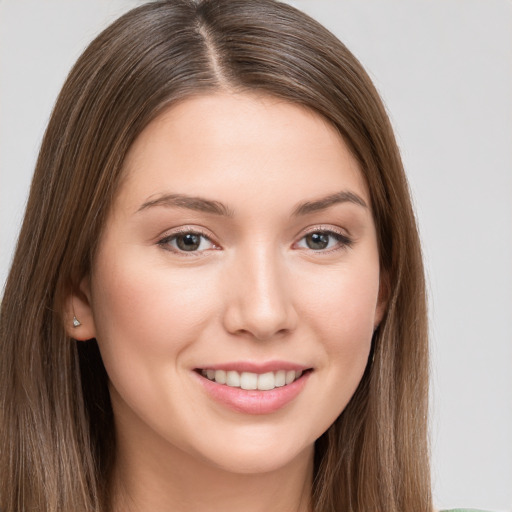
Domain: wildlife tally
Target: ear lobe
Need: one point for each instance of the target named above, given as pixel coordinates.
(78, 307)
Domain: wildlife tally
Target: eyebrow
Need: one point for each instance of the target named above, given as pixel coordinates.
(202, 204)
(199, 204)
(323, 203)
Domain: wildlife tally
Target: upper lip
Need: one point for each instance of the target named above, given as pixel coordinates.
(255, 367)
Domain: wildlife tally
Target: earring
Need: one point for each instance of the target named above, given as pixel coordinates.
(76, 322)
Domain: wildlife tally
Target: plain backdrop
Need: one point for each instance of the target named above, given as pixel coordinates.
(444, 69)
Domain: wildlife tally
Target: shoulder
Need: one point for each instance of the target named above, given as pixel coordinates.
(462, 510)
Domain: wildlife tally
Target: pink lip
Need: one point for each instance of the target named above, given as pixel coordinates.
(253, 401)
(248, 366)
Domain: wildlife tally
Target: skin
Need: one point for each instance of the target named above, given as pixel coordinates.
(253, 291)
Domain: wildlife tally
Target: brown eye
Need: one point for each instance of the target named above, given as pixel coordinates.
(188, 242)
(317, 241)
(324, 241)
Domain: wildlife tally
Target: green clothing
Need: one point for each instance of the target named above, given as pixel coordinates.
(463, 510)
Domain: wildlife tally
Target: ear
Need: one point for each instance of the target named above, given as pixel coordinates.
(382, 299)
(78, 306)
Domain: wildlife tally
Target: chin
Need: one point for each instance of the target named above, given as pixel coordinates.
(258, 454)
(261, 464)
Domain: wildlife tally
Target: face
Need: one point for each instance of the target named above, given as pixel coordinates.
(236, 286)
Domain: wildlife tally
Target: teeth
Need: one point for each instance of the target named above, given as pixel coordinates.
(220, 376)
(233, 379)
(290, 377)
(266, 381)
(280, 378)
(249, 380)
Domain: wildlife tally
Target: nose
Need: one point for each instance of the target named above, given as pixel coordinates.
(259, 298)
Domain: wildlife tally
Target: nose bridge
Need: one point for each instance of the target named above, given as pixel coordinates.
(260, 303)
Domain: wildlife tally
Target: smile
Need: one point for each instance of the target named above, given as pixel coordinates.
(253, 381)
(254, 388)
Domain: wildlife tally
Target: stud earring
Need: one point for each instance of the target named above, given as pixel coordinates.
(76, 322)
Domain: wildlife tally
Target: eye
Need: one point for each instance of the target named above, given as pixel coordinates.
(187, 241)
(324, 240)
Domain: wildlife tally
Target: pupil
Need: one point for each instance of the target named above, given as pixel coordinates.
(188, 242)
(317, 241)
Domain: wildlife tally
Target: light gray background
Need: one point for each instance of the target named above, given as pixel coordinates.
(444, 69)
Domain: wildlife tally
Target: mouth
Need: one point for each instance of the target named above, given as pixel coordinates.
(253, 381)
(254, 388)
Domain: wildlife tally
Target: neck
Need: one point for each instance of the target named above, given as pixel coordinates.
(149, 479)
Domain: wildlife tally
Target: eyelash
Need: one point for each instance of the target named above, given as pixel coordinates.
(343, 241)
(165, 241)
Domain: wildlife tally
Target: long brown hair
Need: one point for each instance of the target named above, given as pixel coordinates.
(56, 432)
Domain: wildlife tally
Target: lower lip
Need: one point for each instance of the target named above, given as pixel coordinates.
(254, 401)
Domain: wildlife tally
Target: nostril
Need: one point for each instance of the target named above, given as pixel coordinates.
(260, 312)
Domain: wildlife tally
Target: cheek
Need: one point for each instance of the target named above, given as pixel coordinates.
(148, 309)
(343, 306)
(146, 318)
(341, 314)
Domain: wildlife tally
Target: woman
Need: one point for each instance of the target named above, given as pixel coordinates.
(217, 300)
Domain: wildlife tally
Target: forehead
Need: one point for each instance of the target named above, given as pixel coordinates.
(251, 144)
